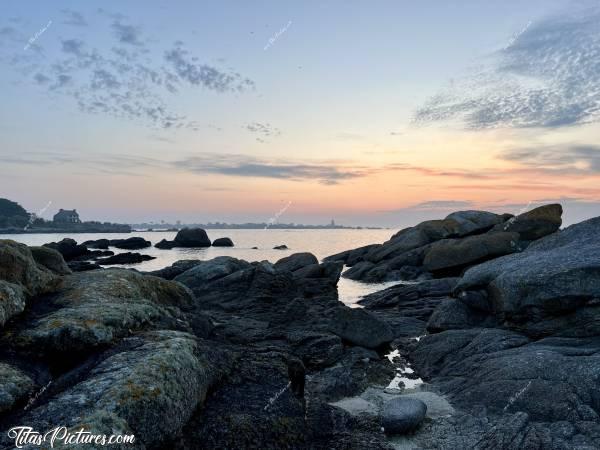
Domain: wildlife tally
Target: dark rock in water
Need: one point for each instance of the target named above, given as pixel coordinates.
(254, 248)
(296, 261)
(93, 254)
(192, 237)
(68, 248)
(401, 415)
(165, 245)
(132, 243)
(82, 266)
(125, 258)
(101, 244)
(280, 247)
(359, 327)
(351, 257)
(222, 242)
(177, 268)
(51, 259)
(402, 293)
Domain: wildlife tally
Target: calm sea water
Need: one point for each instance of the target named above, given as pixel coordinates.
(321, 243)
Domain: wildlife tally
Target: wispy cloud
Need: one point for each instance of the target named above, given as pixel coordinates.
(573, 159)
(263, 130)
(546, 77)
(128, 79)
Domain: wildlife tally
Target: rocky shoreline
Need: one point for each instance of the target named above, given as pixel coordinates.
(494, 344)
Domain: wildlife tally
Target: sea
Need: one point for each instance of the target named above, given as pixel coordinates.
(320, 242)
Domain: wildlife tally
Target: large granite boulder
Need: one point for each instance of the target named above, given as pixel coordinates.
(296, 261)
(18, 266)
(51, 259)
(458, 253)
(95, 308)
(207, 271)
(535, 224)
(550, 288)
(359, 327)
(192, 237)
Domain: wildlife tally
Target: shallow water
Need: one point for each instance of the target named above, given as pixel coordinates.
(321, 243)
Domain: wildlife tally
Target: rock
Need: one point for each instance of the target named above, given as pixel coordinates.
(51, 259)
(296, 261)
(12, 301)
(18, 266)
(207, 271)
(68, 248)
(280, 247)
(453, 314)
(351, 257)
(222, 242)
(474, 222)
(132, 243)
(359, 327)
(459, 253)
(15, 386)
(125, 258)
(82, 266)
(165, 245)
(535, 224)
(95, 308)
(401, 294)
(177, 268)
(101, 244)
(359, 270)
(192, 237)
(317, 350)
(550, 288)
(401, 415)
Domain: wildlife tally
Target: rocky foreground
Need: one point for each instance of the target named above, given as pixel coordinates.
(231, 354)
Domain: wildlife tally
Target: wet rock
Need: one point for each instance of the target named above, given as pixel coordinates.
(51, 259)
(401, 415)
(132, 243)
(280, 247)
(83, 266)
(165, 245)
(68, 248)
(296, 261)
(101, 244)
(351, 257)
(125, 258)
(316, 350)
(222, 242)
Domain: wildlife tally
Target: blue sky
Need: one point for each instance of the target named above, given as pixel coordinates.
(358, 111)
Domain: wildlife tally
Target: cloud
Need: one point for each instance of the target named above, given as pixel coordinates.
(443, 204)
(577, 159)
(125, 79)
(265, 130)
(546, 77)
(203, 74)
(73, 18)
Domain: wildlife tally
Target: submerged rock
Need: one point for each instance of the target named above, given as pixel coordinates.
(125, 258)
(222, 242)
(132, 243)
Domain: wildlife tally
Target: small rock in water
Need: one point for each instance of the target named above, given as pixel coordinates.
(401, 415)
(280, 247)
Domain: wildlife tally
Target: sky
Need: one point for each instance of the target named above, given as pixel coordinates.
(378, 113)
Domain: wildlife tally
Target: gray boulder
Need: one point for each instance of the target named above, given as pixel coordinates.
(401, 415)
(51, 259)
(192, 237)
(177, 268)
(535, 224)
(18, 266)
(359, 327)
(15, 386)
(551, 287)
(458, 253)
(296, 261)
(208, 271)
(12, 301)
